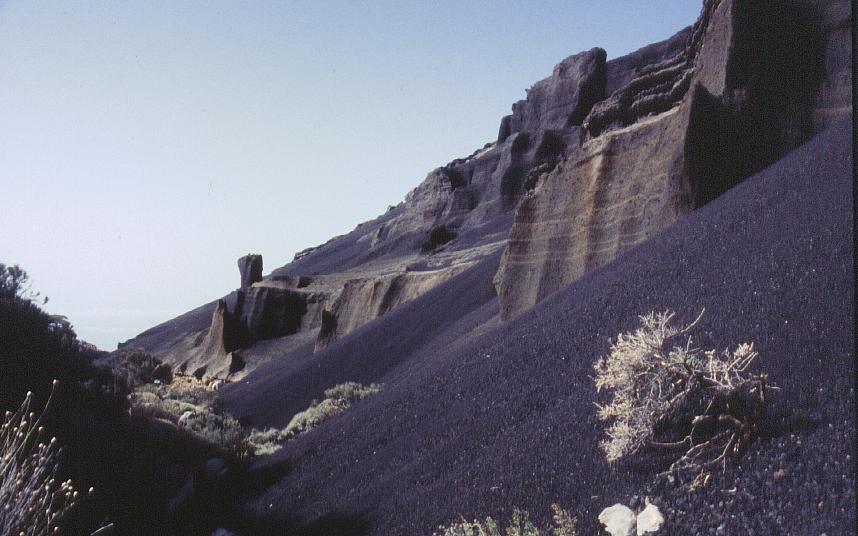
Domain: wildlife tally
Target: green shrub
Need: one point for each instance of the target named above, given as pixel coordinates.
(35, 347)
(132, 367)
(337, 400)
(195, 414)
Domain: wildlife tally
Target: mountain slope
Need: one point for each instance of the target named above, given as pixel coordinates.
(507, 418)
(600, 156)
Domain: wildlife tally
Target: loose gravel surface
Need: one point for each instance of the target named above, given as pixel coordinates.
(475, 420)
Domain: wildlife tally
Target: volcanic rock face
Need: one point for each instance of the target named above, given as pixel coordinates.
(250, 267)
(598, 158)
(469, 194)
(622, 70)
(363, 300)
(265, 313)
(676, 135)
(211, 358)
(655, 87)
(562, 99)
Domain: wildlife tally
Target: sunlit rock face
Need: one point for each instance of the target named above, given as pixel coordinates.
(210, 358)
(363, 300)
(469, 193)
(675, 135)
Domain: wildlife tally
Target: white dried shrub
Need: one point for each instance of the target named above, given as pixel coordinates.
(655, 373)
(32, 501)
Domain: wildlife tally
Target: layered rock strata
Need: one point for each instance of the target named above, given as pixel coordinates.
(599, 157)
(362, 300)
(211, 358)
(325, 307)
(736, 97)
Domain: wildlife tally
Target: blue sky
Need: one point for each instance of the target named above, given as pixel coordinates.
(147, 145)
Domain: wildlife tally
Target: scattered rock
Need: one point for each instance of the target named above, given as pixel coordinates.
(185, 417)
(619, 520)
(163, 373)
(649, 520)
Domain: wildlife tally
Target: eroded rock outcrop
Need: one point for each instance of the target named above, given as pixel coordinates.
(469, 194)
(678, 134)
(365, 299)
(268, 312)
(212, 358)
(250, 268)
(655, 87)
(599, 157)
(562, 99)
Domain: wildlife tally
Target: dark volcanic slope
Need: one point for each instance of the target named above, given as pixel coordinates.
(508, 418)
(278, 390)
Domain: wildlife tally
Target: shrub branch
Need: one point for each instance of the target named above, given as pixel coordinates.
(657, 384)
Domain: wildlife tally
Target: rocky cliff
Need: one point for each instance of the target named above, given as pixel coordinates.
(599, 157)
(742, 91)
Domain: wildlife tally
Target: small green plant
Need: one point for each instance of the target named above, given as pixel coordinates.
(563, 524)
(657, 384)
(32, 501)
(337, 400)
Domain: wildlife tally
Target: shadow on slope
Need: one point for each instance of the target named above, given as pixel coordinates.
(286, 385)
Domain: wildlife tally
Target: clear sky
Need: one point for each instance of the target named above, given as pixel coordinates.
(145, 146)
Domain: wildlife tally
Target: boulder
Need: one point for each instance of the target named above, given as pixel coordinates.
(649, 519)
(216, 469)
(619, 520)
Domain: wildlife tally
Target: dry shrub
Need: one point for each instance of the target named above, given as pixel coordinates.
(658, 384)
(564, 524)
(32, 501)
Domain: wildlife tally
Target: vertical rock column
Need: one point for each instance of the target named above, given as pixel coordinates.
(250, 268)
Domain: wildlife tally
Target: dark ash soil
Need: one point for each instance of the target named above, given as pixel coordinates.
(474, 420)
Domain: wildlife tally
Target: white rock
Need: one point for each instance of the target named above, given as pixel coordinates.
(649, 520)
(619, 520)
(183, 420)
